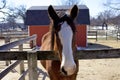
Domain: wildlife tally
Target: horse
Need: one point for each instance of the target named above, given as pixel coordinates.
(61, 39)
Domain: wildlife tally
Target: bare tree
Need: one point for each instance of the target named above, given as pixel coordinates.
(106, 16)
(17, 14)
(70, 2)
(113, 4)
(11, 22)
(12, 15)
(2, 6)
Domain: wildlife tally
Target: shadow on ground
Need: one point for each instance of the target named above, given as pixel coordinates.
(97, 46)
(42, 73)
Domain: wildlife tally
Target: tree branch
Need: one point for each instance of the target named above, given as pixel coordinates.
(114, 4)
(5, 13)
(4, 4)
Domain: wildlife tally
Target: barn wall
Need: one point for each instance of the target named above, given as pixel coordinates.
(41, 30)
(81, 35)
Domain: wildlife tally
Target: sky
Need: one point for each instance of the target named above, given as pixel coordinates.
(95, 6)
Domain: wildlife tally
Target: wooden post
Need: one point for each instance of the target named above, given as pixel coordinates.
(7, 40)
(96, 36)
(118, 36)
(32, 66)
(106, 34)
(22, 62)
(34, 42)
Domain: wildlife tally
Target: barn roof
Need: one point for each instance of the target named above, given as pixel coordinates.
(38, 15)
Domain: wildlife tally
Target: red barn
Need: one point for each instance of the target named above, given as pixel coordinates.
(38, 21)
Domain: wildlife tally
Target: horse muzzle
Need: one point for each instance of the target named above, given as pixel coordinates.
(67, 71)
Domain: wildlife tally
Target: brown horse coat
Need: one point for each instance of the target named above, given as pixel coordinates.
(53, 67)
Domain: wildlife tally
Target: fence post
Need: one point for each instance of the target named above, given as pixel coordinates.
(96, 36)
(32, 66)
(106, 34)
(22, 62)
(33, 43)
(7, 40)
(118, 36)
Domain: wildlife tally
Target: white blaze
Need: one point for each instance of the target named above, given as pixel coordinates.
(66, 35)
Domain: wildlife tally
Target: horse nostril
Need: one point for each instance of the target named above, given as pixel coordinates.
(63, 71)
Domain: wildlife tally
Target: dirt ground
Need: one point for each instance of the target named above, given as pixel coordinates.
(93, 69)
(100, 69)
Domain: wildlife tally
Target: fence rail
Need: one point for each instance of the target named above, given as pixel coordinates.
(8, 69)
(103, 34)
(10, 45)
(50, 55)
(92, 35)
(33, 56)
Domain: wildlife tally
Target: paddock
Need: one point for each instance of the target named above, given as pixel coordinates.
(85, 57)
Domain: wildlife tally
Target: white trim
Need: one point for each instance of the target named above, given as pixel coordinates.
(86, 36)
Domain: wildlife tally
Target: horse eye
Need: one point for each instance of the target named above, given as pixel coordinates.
(59, 24)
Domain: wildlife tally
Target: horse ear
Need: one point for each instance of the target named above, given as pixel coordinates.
(74, 12)
(52, 13)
